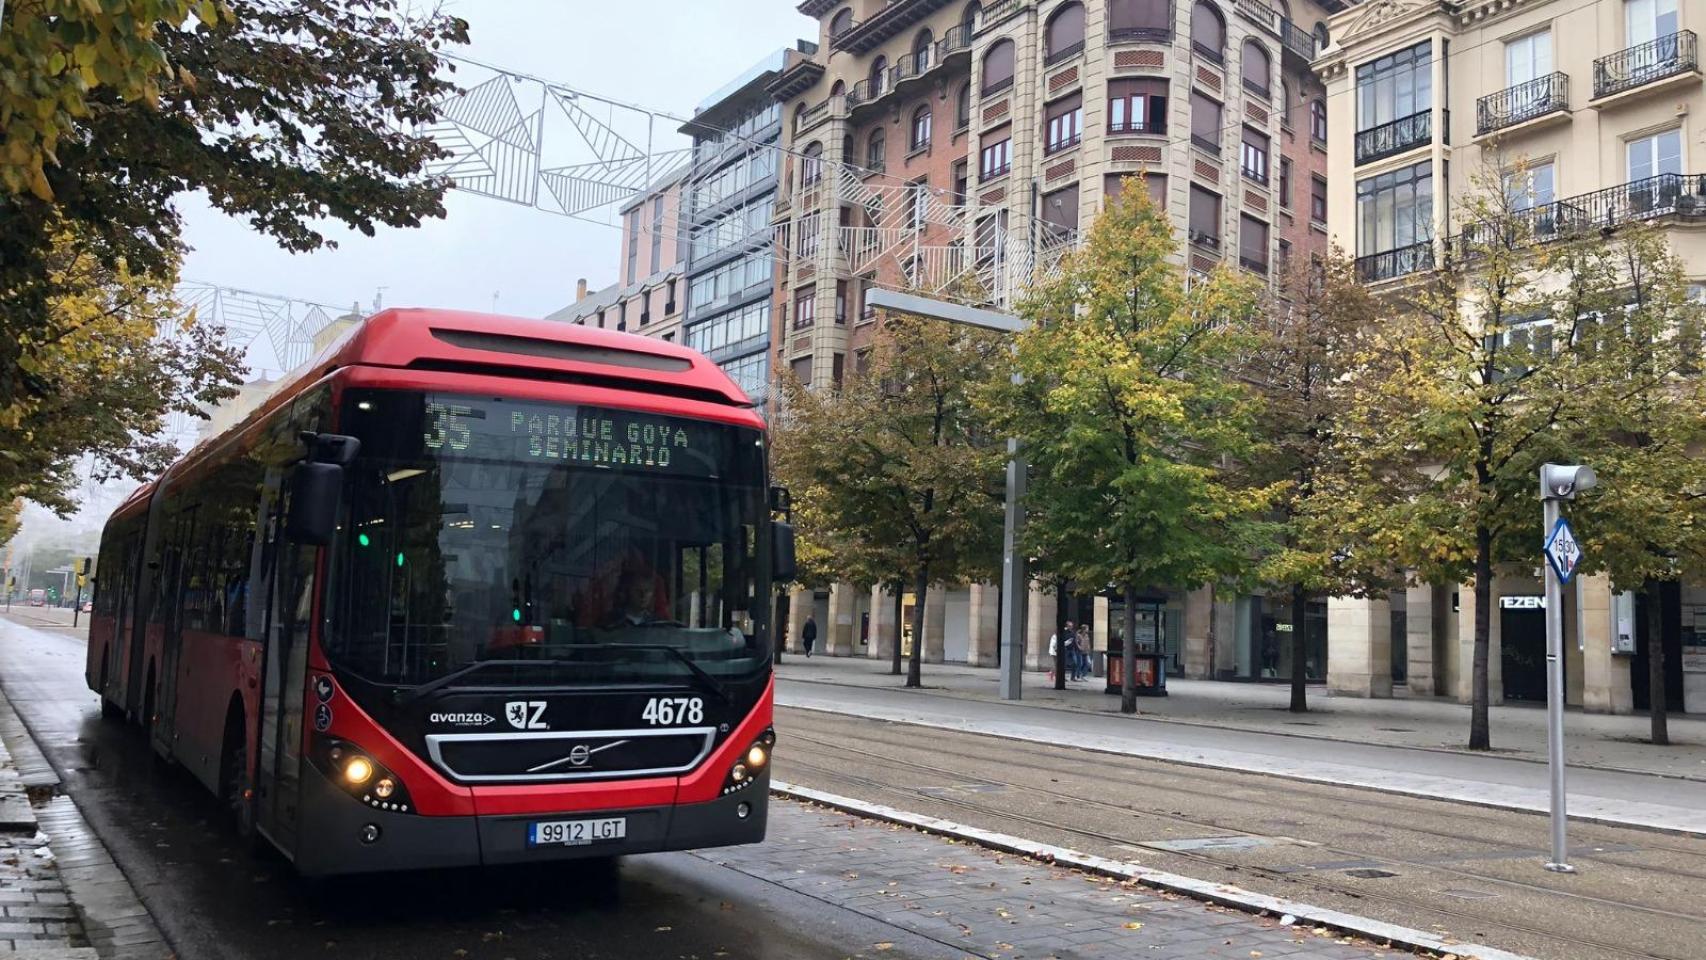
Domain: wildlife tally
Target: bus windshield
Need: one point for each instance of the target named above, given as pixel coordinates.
(575, 544)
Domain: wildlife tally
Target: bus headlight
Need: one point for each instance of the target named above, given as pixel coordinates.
(358, 770)
(757, 756)
(385, 788)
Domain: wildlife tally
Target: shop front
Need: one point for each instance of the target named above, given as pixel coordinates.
(1264, 632)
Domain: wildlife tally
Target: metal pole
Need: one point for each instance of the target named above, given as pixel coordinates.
(1555, 697)
(1015, 580)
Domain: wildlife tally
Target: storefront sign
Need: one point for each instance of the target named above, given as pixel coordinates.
(1522, 603)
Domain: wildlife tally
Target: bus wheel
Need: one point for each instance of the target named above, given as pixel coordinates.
(235, 787)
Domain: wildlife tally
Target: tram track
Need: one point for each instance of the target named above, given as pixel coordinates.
(1303, 879)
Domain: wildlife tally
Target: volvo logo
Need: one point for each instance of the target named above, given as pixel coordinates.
(579, 756)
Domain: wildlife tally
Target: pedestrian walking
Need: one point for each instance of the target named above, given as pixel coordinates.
(1054, 646)
(808, 634)
(1083, 647)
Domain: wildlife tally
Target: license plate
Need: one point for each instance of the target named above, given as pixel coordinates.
(575, 833)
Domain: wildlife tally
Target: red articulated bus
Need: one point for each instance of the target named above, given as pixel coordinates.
(472, 590)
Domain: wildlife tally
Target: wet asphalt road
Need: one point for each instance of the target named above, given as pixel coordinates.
(214, 899)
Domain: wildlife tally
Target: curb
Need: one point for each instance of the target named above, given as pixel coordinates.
(1218, 893)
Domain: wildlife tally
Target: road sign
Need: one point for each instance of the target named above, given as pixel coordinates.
(1562, 550)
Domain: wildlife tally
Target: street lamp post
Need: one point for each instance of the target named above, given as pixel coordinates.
(1557, 484)
(1015, 579)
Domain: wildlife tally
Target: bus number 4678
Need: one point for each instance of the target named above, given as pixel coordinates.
(668, 711)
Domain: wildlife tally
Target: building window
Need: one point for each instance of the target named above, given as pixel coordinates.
(1395, 210)
(1257, 68)
(835, 369)
(811, 165)
(1253, 158)
(1317, 199)
(841, 22)
(998, 67)
(1137, 106)
(657, 234)
(1252, 243)
(879, 74)
(1318, 120)
(1394, 95)
(1205, 123)
(1528, 58)
(669, 300)
(1208, 32)
(962, 107)
(1648, 20)
(1659, 153)
(996, 157)
(921, 127)
(1064, 36)
(1283, 261)
(921, 47)
(1113, 185)
(1320, 36)
(972, 15)
(1533, 186)
(841, 301)
(802, 368)
(633, 243)
(961, 186)
(1205, 217)
(805, 307)
(1065, 124)
(1060, 210)
(876, 150)
(1285, 182)
(1140, 19)
(805, 238)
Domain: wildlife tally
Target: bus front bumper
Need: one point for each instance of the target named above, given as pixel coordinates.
(335, 827)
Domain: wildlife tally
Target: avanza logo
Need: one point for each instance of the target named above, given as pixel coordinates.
(462, 719)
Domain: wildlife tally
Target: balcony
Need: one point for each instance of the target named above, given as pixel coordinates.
(1646, 63)
(1522, 103)
(872, 32)
(1297, 41)
(1391, 264)
(1262, 14)
(957, 39)
(1395, 137)
(912, 66)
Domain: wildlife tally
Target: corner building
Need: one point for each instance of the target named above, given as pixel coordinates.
(954, 147)
(1590, 115)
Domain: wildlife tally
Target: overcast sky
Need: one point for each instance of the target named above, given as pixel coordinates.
(665, 55)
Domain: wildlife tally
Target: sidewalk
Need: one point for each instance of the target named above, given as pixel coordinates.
(1598, 741)
(965, 699)
(61, 895)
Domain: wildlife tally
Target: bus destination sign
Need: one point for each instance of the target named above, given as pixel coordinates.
(591, 436)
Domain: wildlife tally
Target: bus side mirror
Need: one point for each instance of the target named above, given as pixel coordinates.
(782, 565)
(315, 491)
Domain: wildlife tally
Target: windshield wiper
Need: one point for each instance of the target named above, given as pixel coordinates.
(710, 683)
(440, 683)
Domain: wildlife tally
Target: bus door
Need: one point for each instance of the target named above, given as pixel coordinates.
(173, 569)
(288, 575)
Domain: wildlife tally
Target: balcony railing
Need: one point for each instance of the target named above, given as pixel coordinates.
(956, 40)
(1261, 13)
(1209, 53)
(910, 66)
(1064, 53)
(1394, 137)
(1252, 263)
(1156, 33)
(1667, 194)
(1646, 63)
(1297, 40)
(1521, 103)
(1390, 264)
(1205, 144)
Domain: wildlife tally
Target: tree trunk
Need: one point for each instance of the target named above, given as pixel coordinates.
(1299, 607)
(1128, 653)
(1656, 665)
(1060, 665)
(912, 662)
(899, 631)
(1479, 737)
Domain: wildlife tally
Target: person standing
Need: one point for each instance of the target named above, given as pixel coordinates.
(808, 634)
(1082, 648)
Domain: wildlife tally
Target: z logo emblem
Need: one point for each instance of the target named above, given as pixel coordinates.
(526, 714)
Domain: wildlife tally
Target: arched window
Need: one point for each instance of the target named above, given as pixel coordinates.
(839, 89)
(879, 74)
(1257, 68)
(973, 13)
(962, 107)
(1318, 119)
(811, 164)
(998, 67)
(841, 22)
(1140, 20)
(923, 46)
(921, 127)
(799, 114)
(876, 150)
(1064, 35)
(1208, 32)
(1320, 36)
